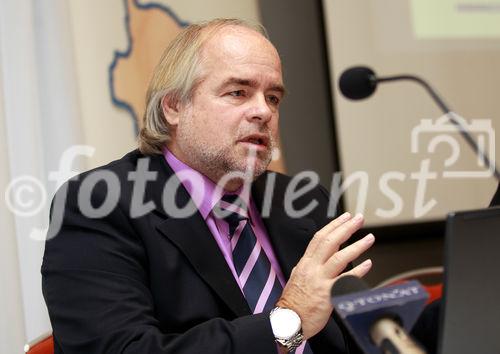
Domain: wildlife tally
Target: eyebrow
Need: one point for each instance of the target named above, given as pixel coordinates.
(251, 83)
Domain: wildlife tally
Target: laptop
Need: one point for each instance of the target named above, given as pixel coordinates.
(470, 319)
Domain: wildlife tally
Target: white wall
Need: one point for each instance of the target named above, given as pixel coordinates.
(12, 333)
(40, 120)
(24, 147)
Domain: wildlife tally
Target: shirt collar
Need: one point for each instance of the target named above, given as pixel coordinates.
(201, 188)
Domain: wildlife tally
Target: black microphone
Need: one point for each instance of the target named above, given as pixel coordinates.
(379, 319)
(360, 82)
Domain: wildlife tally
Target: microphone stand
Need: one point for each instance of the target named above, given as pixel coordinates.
(447, 111)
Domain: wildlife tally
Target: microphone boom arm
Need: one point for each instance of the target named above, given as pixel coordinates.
(447, 111)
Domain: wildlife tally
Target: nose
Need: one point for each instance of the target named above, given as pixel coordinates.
(260, 111)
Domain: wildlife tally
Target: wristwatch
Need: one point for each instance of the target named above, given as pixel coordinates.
(287, 327)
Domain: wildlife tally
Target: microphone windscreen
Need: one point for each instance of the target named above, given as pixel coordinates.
(357, 82)
(348, 284)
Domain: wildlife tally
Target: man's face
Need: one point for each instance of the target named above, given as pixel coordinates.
(235, 107)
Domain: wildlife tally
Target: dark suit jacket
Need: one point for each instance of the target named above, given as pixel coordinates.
(157, 284)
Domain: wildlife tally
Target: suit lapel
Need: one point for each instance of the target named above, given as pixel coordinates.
(193, 238)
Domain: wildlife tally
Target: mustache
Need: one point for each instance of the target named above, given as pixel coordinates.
(270, 141)
(264, 131)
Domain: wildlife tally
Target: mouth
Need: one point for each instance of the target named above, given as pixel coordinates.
(256, 140)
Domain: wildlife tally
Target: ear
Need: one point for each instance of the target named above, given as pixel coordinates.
(171, 110)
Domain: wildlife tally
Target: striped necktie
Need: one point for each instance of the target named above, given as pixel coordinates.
(258, 279)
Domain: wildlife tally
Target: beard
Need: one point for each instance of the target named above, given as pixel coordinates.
(218, 158)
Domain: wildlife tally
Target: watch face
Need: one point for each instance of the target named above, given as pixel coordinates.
(285, 323)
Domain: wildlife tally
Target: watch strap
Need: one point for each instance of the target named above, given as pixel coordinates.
(292, 343)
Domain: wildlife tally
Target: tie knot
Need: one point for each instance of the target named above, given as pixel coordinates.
(232, 210)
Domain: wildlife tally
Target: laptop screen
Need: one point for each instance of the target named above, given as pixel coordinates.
(470, 322)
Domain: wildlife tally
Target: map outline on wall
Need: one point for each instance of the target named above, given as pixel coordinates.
(129, 72)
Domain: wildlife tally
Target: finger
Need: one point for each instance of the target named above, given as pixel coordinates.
(339, 260)
(336, 223)
(360, 270)
(330, 245)
(324, 232)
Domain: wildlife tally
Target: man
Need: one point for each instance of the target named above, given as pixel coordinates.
(144, 276)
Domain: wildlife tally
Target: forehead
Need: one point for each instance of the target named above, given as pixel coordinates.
(239, 51)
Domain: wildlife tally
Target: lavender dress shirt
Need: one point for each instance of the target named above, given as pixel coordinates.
(203, 191)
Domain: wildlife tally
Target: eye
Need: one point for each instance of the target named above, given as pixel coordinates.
(237, 93)
(274, 100)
